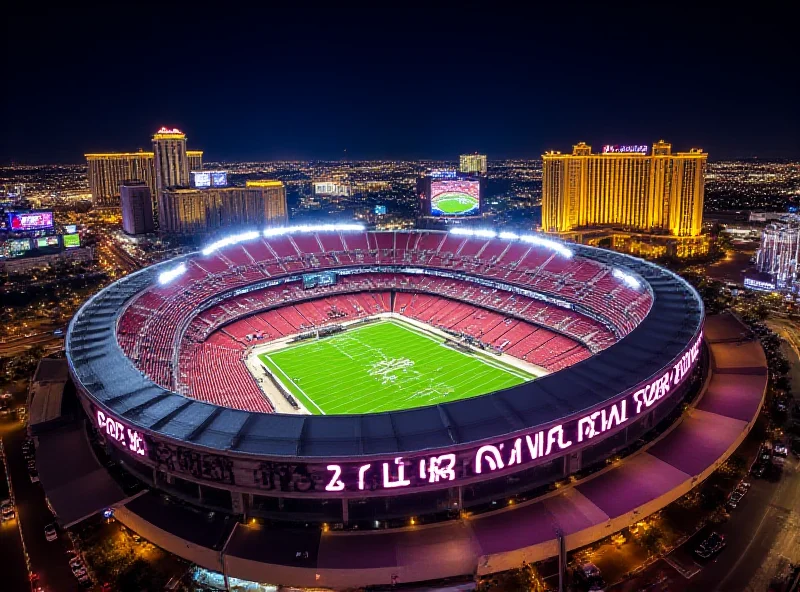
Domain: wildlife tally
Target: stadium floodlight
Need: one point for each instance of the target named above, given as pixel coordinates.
(547, 243)
(509, 236)
(627, 278)
(469, 232)
(166, 277)
(231, 240)
(281, 230)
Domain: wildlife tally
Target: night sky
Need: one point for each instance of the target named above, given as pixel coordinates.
(425, 83)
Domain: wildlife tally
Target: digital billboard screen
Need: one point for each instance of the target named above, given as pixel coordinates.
(201, 179)
(71, 240)
(15, 247)
(70, 228)
(455, 197)
(22, 221)
(219, 179)
(313, 280)
(45, 242)
(380, 210)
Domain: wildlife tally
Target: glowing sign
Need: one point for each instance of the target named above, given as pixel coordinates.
(758, 285)
(443, 174)
(201, 179)
(71, 240)
(166, 130)
(20, 222)
(632, 149)
(121, 434)
(380, 210)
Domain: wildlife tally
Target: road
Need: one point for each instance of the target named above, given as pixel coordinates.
(12, 558)
(763, 533)
(18, 345)
(48, 559)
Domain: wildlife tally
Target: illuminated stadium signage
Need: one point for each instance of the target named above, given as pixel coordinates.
(457, 197)
(443, 174)
(632, 149)
(21, 222)
(443, 467)
(121, 434)
(761, 285)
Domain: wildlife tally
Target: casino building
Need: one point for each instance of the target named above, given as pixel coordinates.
(625, 187)
(108, 170)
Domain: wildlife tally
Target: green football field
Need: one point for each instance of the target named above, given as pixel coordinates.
(384, 366)
(453, 202)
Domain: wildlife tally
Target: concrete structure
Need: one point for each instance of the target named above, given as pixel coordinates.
(137, 207)
(626, 188)
(171, 160)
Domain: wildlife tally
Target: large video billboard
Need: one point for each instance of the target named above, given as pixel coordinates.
(22, 221)
(72, 240)
(458, 197)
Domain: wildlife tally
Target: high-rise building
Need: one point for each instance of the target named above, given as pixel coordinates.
(108, 170)
(137, 207)
(171, 159)
(780, 250)
(199, 211)
(195, 159)
(473, 163)
(625, 187)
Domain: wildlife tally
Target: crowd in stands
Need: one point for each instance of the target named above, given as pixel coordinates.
(201, 354)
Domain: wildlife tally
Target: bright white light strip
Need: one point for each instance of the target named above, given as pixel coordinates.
(231, 240)
(625, 277)
(166, 277)
(528, 238)
(280, 231)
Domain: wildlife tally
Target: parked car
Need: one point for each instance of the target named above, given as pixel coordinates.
(711, 546)
(734, 499)
(50, 532)
(78, 570)
(7, 511)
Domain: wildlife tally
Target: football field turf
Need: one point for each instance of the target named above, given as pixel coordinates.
(384, 366)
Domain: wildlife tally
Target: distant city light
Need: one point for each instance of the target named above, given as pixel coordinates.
(166, 277)
(528, 238)
(626, 278)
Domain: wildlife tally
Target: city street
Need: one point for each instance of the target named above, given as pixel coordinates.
(48, 559)
(761, 534)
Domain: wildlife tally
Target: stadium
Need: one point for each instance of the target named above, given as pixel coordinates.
(329, 378)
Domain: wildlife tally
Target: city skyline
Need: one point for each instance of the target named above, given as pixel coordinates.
(358, 87)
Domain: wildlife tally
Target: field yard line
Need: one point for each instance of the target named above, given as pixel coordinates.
(295, 384)
(477, 355)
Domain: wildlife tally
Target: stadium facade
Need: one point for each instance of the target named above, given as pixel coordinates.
(159, 369)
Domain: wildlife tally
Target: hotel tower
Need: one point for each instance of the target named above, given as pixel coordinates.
(630, 188)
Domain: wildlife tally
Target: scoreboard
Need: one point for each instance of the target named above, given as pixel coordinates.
(314, 280)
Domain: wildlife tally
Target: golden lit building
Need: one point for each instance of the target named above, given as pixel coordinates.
(472, 163)
(171, 160)
(626, 187)
(108, 170)
(200, 211)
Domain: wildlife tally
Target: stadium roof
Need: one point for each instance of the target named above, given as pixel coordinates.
(114, 382)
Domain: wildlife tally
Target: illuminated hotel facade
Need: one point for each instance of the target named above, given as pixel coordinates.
(472, 163)
(630, 188)
(108, 170)
(201, 211)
